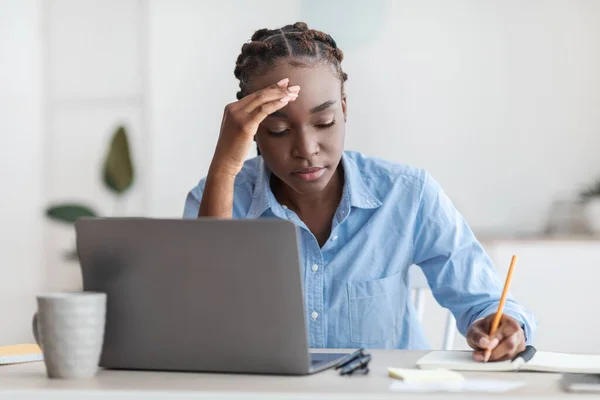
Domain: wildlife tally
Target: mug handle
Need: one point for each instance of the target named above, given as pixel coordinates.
(35, 328)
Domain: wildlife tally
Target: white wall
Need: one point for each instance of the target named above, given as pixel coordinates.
(95, 76)
(70, 72)
(193, 48)
(498, 99)
(556, 279)
(21, 163)
(559, 281)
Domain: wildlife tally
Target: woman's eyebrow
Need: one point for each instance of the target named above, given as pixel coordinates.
(322, 107)
(314, 110)
(277, 114)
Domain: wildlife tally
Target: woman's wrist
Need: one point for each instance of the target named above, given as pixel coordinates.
(222, 170)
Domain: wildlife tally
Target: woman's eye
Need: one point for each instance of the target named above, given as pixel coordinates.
(327, 125)
(280, 133)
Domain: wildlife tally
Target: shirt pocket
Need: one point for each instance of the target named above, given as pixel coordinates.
(373, 307)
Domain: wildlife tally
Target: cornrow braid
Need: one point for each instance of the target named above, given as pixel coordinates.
(268, 45)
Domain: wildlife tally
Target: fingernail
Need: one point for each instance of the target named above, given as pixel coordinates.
(478, 357)
(285, 99)
(493, 343)
(283, 82)
(295, 88)
(292, 95)
(484, 342)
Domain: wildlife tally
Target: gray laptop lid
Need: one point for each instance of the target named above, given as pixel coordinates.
(197, 295)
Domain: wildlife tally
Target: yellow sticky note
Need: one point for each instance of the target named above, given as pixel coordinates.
(420, 375)
(20, 353)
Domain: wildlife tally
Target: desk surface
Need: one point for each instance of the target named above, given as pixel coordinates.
(28, 381)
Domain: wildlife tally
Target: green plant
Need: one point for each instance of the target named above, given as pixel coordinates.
(592, 191)
(117, 176)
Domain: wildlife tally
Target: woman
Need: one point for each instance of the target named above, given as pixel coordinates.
(363, 220)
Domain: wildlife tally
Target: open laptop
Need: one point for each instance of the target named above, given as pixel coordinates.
(199, 295)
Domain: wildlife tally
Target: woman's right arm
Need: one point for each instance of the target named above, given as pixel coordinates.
(240, 123)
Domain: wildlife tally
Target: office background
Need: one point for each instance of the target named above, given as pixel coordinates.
(498, 99)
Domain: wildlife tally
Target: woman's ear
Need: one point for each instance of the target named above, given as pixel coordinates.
(344, 107)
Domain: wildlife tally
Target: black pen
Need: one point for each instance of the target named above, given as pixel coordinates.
(356, 364)
(526, 354)
(349, 358)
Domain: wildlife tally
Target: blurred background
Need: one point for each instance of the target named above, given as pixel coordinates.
(498, 99)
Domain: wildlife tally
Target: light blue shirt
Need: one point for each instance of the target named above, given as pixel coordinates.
(356, 287)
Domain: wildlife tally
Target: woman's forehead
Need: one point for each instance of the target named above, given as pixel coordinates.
(314, 79)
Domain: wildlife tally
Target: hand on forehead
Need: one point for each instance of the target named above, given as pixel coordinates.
(314, 80)
(318, 84)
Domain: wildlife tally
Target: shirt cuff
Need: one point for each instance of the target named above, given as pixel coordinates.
(524, 325)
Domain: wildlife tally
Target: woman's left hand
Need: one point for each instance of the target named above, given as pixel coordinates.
(508, 341)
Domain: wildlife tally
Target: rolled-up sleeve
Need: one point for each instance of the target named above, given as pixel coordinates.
(192, 201)
(460, 273)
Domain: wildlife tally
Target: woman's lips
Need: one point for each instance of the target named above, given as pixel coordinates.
(309, 174)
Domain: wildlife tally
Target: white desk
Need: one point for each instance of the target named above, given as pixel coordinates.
(28, 381)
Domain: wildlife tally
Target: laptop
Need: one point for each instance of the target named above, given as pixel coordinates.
(201, 295)
(573, 382)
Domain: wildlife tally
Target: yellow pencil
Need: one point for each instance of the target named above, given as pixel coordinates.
(498, 315)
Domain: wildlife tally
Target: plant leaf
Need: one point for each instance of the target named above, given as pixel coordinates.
(118, 168)
(592, 191)
(71, 255)
(69, 212)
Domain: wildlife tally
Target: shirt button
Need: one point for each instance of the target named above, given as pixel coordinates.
(334, 238)
(315, 268)
(314, 315)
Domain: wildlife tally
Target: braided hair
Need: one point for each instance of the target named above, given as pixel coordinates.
(296, 41)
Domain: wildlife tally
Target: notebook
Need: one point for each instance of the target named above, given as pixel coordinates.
(528, 360)
(20, 353)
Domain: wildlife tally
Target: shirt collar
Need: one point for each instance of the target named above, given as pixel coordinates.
(355, 193)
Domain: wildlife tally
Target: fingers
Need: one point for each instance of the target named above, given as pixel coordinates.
(511, 340)
(509, 347)
(479, 355)
(508, 341)
(474, 336)
(478, 338)
(261, 112)
(277, 91)
(246, 114)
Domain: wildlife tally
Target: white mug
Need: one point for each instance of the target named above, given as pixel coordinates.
(69, 327)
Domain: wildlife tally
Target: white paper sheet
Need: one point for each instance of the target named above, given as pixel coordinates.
(408, 375)
(473, 385)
